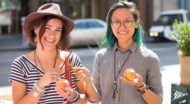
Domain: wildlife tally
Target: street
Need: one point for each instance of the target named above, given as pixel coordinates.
(166, 51)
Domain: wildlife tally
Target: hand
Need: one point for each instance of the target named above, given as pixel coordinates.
(67, 93)
(138, 81)
(83, 74)
(48, 77)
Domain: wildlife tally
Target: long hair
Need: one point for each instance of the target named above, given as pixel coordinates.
(110, 39)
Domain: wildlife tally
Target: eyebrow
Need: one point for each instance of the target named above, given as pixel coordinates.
(59, 28)
(125, 18)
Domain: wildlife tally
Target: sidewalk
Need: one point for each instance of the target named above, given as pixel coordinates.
(12, 42)
(170, 74)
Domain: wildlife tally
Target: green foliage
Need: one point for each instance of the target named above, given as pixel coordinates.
(182, 36)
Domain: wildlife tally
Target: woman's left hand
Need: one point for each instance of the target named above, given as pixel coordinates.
(138, 81)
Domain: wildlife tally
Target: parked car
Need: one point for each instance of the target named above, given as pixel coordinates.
(88, 32)
(162, 28)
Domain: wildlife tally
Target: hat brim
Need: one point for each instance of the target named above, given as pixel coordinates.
(35, 15)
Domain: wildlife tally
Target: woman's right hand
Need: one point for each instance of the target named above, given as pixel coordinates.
(49, 76)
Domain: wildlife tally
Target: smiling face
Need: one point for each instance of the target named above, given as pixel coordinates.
(52, 33)
(123, 25)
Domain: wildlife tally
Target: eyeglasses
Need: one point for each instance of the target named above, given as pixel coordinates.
(126, 23)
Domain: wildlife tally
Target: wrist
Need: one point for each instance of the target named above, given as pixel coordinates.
(38, 88)
(75, 98)
(40, 85)
(94, 101)
(143, 88)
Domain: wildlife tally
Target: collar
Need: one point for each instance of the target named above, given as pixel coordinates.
(132, 48)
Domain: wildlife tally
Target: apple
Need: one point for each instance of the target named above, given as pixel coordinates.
(61, 84)
(129, 74)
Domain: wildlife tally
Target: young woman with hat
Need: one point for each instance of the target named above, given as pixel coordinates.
(34, 75)
(125, 50)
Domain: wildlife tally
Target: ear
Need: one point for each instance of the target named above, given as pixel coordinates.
(36, 29)
(136, 24)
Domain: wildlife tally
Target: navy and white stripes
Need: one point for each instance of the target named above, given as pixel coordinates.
(25, 71)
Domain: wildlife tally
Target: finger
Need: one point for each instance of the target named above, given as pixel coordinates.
(139, 77)
(127, 81)
(85, 70)
(82, 76)
(79, 72)
(76, 69)
(61, 66)
(124, 80)
(54, 79)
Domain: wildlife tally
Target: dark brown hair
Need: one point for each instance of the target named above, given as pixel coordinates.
(64, 41)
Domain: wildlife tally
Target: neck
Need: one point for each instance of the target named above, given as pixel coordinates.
(43, 54)
(125, 45)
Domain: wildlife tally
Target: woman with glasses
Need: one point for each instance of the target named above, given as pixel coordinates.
(125, 50)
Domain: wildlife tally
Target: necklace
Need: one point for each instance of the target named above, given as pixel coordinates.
(114, 86)
(36, 57)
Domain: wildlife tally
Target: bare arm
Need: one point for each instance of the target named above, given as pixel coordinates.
(86, 85)
(152, 98)
(19, 94)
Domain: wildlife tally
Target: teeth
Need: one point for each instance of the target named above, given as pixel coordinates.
(50, 40)
(122, 32)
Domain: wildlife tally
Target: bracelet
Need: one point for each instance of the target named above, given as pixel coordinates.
(38, 89)
(143, 88)
(76, 98)
(95, 100)
(36, 93)
(142, 85)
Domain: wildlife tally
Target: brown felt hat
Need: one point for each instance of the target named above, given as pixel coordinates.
(45, 10)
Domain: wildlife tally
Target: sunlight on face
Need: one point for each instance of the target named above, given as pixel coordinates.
(123, 24)
(52, 34)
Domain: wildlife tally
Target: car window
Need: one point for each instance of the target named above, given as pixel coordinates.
(88, 24)
(80, 25)
(168, 19)
(93, 24)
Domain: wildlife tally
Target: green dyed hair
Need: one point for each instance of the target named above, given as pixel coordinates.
(110, 38)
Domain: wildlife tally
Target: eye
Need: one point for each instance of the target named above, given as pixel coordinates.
(59, 30)
(116, 22)
(47, 28)
(128, 21)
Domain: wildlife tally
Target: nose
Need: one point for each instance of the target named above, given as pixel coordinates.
(52, 33)
(122, 26)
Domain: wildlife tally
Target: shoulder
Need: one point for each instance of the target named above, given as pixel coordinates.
(74, 58)
(101, 53)
(70, 54)
(148, 53)
(18, 59)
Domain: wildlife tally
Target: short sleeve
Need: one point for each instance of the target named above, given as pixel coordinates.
(75, 60)
(17, 72)
(154, 75)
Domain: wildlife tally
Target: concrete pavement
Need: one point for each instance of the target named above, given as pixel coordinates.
(170, 74)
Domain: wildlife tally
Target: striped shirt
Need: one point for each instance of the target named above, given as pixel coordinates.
(25, 71)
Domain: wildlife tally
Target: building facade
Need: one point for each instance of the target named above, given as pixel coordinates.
(149, 9)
